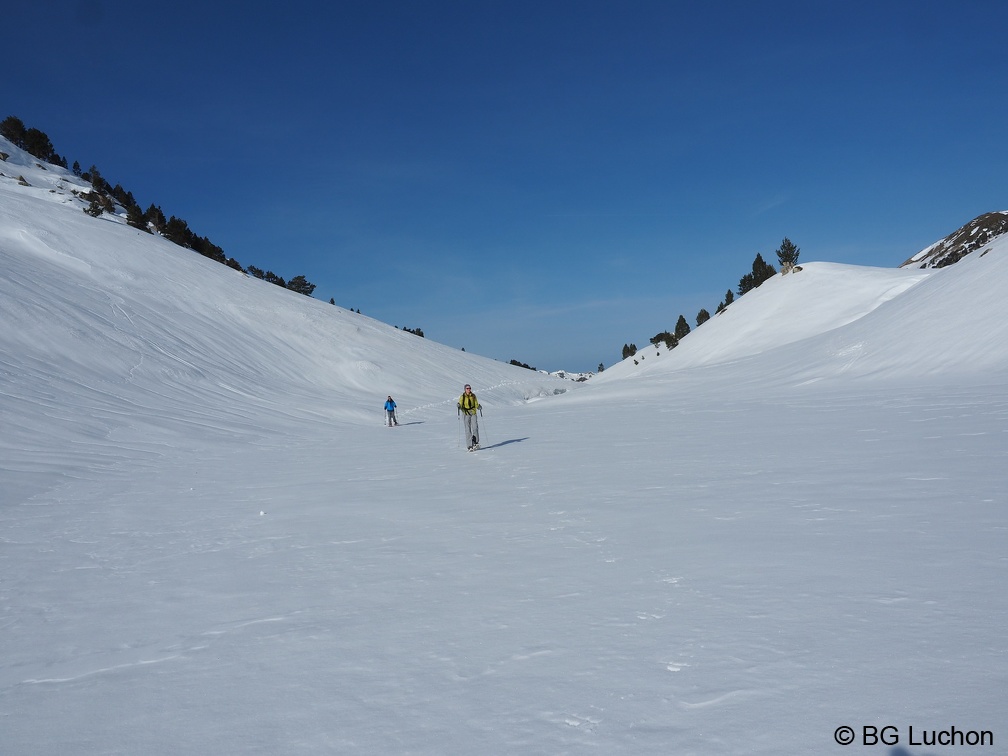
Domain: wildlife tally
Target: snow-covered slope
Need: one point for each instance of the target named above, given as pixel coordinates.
(123, 328)
(833, 320)
(785, 309)
(794, 522)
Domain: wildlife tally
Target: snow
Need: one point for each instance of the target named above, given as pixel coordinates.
(209, 542)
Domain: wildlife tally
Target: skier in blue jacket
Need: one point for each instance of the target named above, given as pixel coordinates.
(390, 415)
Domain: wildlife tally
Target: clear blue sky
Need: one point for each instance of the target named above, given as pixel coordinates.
(540, 180)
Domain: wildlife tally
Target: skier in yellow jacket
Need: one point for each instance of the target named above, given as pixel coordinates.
(468, 406)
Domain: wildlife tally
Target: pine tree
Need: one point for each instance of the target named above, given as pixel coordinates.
(177, 230)
(668, 339)
(122, 196)
(702, 317)
(301, 285)
(97, 182)
(135, 218)
(94, 208)
(156, 218)
(761, 271)
(13, 129)
(207, 248)
(787, 255)
(682, 328)
(273, 278)
(38, 144)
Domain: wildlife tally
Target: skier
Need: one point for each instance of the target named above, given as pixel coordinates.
(390, 415)
(468, 405)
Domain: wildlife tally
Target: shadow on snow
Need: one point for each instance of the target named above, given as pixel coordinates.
(504, 443)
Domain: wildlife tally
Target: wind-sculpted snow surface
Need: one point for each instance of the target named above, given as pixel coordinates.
(210, 544)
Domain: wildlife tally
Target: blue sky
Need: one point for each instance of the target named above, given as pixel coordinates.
(543, 181)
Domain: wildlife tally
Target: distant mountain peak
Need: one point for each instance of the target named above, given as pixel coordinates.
(975, 235)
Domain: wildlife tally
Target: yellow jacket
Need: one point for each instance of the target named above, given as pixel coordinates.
(468, 403)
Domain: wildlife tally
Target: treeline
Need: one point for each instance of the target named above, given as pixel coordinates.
(32, 141)
(787, 258)
(104, 197)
